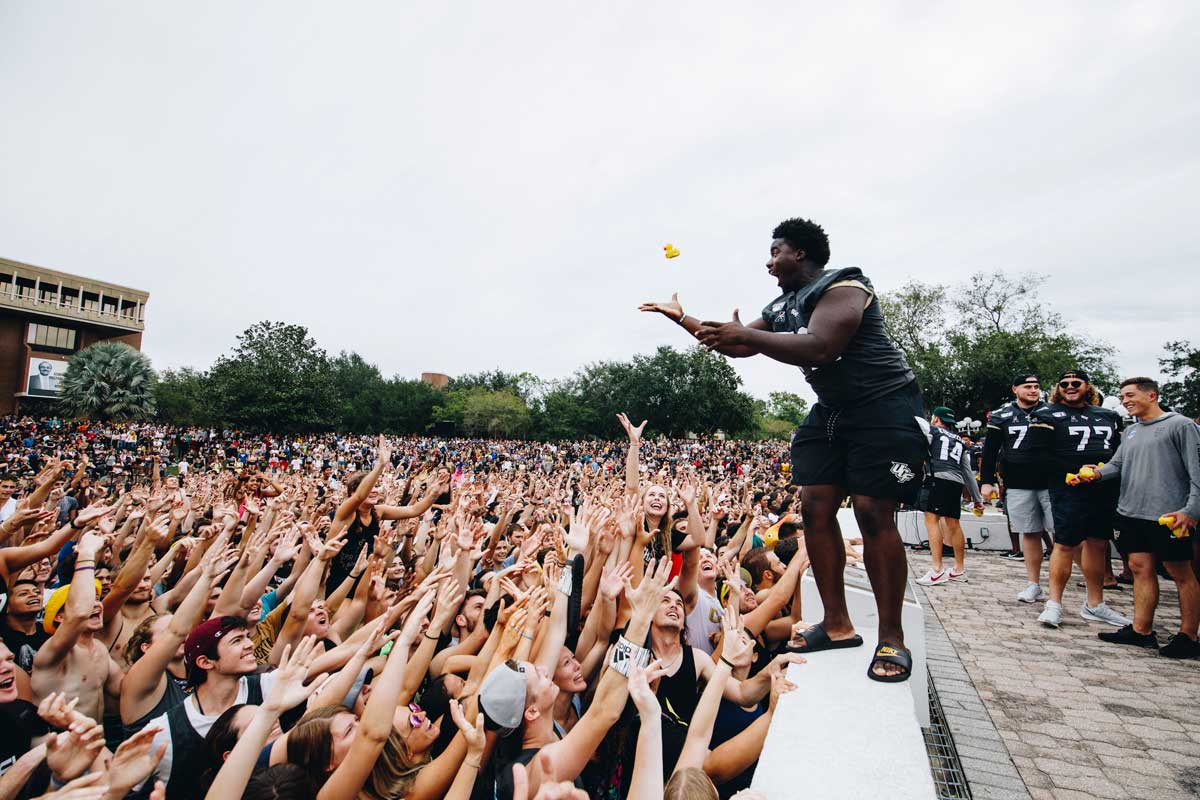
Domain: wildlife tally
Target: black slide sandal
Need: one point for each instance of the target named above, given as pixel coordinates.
(816, 640)
(890, 654)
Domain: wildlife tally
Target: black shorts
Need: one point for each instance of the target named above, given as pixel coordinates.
(1084, 512)
(942, 497)
(1147, 536)
(875, 450)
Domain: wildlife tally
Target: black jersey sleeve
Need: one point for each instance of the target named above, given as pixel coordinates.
(993, 443)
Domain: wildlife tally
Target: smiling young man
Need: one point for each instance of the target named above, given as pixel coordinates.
(219, 655)
(864, 438)
(1158, 464)
(1069, 433)
(1010, 452)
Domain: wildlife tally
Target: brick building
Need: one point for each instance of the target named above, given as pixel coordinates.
(45, 317)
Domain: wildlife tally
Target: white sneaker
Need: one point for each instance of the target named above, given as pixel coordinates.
(1051, 615)
(932, 578)
(1102, 613)
(957, 576)
(1031, 594)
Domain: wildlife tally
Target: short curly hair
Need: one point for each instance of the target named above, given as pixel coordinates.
(806, 235)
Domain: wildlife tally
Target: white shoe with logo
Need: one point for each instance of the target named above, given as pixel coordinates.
(1051, 615)
(932, 578)
(1031, 594)
(1102, 613)
(957, 576)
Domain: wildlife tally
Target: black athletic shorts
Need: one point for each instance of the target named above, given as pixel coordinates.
(1084, 512)
(875, 450)
(1147, 536)
(942, 497)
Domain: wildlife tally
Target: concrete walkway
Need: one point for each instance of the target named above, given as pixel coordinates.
(1080, 718)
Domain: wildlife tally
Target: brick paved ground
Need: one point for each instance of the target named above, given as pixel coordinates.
(1080, 718)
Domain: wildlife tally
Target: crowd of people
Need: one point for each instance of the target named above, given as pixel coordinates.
(209, 614)
(214, 614)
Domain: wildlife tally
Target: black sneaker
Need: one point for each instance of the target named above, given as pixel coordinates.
(1128, 635)
(1180, 646)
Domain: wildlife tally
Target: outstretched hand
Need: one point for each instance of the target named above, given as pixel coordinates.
(671, 309)
(720, 335)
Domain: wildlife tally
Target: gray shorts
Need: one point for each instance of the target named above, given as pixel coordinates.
(1028, 510)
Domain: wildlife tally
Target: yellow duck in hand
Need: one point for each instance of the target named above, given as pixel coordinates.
(671, 251)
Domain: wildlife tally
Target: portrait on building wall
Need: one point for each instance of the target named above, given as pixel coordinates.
(45, 376)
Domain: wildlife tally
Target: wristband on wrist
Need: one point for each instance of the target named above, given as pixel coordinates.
(625, 654)
(526, 636)
(435, 638)
(682, 317)
(727, 663)
(566, 579)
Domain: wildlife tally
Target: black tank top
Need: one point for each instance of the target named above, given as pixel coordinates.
(359, 534)
(870, 367)
(678, 693)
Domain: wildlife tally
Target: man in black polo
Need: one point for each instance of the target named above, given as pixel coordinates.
(864, 438)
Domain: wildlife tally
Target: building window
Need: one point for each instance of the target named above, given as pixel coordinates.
(51, 336)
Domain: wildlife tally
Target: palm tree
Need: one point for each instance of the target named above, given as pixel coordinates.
(109, 381)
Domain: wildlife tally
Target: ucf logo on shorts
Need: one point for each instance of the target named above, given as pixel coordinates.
(902, 472)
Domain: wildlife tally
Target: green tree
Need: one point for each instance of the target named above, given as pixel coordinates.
(787, 406)
(183, 397)
(966, 343)
(108, 381)
(360, 390)
(499, 414)
(1182, 367)
(406, 406)
(276, 379)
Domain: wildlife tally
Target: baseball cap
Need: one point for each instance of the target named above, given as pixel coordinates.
(203, 639)
(946, 415)
(502, 696)
(1078, 374)
(55, 604)
(1026, 377)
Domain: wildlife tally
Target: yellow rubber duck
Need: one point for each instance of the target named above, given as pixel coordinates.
(670, 250)
(1169, 521)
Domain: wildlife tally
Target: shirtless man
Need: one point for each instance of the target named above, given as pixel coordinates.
(74, 661)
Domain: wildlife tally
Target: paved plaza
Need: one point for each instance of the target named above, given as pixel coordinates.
(1079, 718)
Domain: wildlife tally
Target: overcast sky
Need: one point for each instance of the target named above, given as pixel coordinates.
(487, 184)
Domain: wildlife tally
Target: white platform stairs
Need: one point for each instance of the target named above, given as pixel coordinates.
(840, 735)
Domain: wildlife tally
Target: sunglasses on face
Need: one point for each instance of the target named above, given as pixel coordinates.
(414, 720)
(1070, 384)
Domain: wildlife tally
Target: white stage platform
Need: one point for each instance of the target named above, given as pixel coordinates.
(840, 734)
(989, 532)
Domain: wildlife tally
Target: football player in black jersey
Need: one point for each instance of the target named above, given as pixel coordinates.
(1009, 451)
(1073, 431)
(863, 438)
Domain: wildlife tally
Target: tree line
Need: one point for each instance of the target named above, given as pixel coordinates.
(965, 344)
(277, 378)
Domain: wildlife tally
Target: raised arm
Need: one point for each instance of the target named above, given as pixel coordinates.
(147, 678)
(376, 724)
(632, 476)
(81, 600)
(672, 310)
(348, 507)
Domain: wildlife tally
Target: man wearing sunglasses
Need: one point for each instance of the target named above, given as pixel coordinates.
(1009, 450)
(1072, 431)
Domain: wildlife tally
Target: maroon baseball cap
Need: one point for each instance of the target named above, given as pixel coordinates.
(202, 641)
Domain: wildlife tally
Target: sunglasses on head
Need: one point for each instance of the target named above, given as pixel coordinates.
(1070, 384)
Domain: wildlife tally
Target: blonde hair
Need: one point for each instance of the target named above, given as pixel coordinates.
(395, 770)
(1091, 396)
(690, 784)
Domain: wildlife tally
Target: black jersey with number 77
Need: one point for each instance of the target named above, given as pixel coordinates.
(1072, 437)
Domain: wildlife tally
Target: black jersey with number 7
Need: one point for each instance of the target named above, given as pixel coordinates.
(1073, 437)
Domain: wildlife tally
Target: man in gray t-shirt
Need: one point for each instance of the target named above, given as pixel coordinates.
(1158, 464)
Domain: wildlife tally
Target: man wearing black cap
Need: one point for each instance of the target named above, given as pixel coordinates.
(1023, 469)
(950, 468)
(1073, 431)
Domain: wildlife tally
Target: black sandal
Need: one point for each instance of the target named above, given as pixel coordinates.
(816, 639)
(890, 654)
